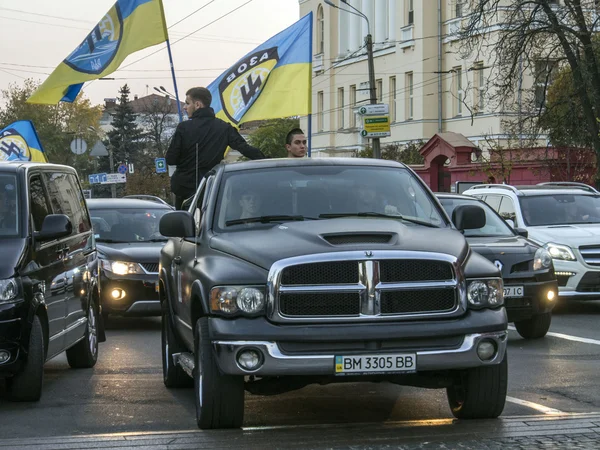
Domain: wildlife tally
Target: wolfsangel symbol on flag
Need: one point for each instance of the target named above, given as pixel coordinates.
(19, 142)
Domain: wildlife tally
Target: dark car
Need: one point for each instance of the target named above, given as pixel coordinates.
(49, 298)
(292, 272)
(530, 286)
(129, 245)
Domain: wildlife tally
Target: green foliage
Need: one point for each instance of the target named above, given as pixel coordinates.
(125, 135)
(407, 154)
(57, 125)
(270, 136)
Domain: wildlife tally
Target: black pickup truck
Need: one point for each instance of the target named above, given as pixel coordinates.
(284, 273)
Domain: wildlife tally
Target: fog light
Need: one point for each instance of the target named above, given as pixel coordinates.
(486, 350)
(4, 356)
(118, 294)
(551, 295)
(249, 359)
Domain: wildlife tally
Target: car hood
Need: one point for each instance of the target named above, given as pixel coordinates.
(571, 235)
(12, 251)
(304, 238)
(131, 252)
(496, 246)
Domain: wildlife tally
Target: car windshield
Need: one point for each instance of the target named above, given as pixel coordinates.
(494, 225)
(127, 225)
(9, 207)
(255, 198)
(560, 209)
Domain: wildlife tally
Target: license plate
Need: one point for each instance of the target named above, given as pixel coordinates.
(361, 364)
(513, 291)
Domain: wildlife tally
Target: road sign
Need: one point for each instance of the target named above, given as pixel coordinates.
(78, 146)
(99, 149)
(376, 126)
(112, 178)
(87, 193)
(161, 165)
(96, 178)
(374, 110)
(122, 169)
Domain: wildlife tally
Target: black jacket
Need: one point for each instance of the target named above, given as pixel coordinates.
(213, 136)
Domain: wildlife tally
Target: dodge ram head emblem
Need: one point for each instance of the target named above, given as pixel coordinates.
(368, 254)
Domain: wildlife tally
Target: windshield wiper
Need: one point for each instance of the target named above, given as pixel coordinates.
(111, 241)
(164, 239)
(376, 214)
(268, 219)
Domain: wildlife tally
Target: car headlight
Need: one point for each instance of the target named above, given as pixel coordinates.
(9, 290)
(121, 267)
(558, 251)
(542, 259)
(235, 299)
(485, 293)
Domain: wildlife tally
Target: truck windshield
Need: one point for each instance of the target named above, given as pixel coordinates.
(9, 207)
(127, 225)
(560, 209)
(323, 192)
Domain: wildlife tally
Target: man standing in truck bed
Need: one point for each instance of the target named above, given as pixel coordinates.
(199, 144)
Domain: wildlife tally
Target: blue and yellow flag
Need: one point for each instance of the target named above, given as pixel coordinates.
(19, 142)
(270, 82)
(129, 26)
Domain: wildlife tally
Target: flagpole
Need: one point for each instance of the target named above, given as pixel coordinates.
(309, 137)
(166, 31)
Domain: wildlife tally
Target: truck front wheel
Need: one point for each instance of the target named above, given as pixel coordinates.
(479, 393)
(535, 327)
(219, 397)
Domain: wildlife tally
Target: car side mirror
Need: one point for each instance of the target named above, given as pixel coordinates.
(522, 232)
(177, 224)
(468, 217)
(510, 222)
(54, 226)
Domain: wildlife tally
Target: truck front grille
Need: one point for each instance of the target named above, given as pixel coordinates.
(313, 304)
(406, 302)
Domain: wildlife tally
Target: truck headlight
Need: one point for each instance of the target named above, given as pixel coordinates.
(542, 259)
(9, 290)
(121, 267)
(236, 299)
(558, 251)
(485, 293)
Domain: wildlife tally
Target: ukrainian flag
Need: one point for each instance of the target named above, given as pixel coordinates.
(19, 142)
(129, 26)
(272, 81)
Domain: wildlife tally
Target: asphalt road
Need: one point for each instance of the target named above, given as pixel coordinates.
(125, 393)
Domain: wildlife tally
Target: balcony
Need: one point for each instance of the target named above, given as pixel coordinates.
(407, 37)
(317, 63)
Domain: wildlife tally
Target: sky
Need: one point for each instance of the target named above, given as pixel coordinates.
(36, 35)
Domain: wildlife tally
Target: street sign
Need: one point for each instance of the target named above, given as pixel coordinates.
(78, 146)
(112, 178)
(161, 165)
(376, 126)
(99, 149)
(96, 178)
(122, 169)
(374, 110)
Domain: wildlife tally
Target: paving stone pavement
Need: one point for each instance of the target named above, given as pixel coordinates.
(566, 431)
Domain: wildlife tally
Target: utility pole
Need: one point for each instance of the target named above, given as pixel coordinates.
(372, 90)
(113, 186)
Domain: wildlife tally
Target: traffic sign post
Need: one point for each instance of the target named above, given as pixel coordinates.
(376, 126)
(122, 169)
(379, 109)
(161, 165)
(113, 178)
(97, 178)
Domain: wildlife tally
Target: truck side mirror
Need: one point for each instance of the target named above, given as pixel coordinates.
(468, 217)
(54, 226)
(177, 224)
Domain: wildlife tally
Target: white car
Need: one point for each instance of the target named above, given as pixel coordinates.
(566, 221)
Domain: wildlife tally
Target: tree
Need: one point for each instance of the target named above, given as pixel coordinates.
(270, 136)
(540, 37)
(57, 125)
(124, 138)
(158, 120)
(407, 154)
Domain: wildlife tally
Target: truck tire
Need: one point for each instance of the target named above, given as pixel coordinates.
(219, 397)
(84, 354)
(479, 393)
(173, 375)
(535, 327)
(26, 386)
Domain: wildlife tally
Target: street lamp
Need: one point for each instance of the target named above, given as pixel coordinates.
(113, 187)
(369, 44)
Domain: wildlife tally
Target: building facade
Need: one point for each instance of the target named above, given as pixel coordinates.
(419, 73)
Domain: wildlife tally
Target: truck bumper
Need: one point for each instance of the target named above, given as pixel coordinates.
(312, 350)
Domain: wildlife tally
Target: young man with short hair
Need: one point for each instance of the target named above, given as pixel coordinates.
(295, 144)
(206, 134)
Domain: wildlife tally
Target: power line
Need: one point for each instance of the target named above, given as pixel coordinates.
(128, 70)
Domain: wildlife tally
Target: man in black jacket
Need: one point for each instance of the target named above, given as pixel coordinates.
(199, 144)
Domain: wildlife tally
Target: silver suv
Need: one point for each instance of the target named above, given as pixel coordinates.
(565, 220)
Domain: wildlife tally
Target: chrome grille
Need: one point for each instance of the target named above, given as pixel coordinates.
(358, 285)
(150, 267)
(591, 255)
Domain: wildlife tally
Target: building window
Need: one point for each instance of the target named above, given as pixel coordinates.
(352, 106)
(392, 99)
(341, 109)
(320, 111)
(479, 85)
(458, 90)
(379, 90)
(410, 12)
(320, 30)
(409, 96)
(459, 8)
(544, 75)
